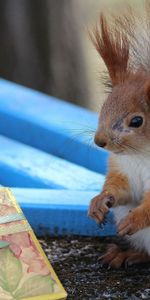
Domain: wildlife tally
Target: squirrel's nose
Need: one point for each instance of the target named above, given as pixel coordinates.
(100, 142)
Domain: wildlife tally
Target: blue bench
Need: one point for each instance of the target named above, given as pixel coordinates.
(47, 160)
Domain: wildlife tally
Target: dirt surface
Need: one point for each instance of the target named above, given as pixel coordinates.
(75, 261)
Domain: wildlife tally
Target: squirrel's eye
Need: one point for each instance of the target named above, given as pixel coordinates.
(136, 122)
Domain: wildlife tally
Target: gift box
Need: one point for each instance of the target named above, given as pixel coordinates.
(25, 272)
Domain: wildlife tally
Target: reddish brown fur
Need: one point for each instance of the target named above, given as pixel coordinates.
(126, 54)
(129, 98)
(121, 45)
(138, 219)
(115, 257)
(117, 184)
(114, 49)
(132, 96)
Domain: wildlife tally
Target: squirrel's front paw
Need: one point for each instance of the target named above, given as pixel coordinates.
(131, 223)
(100, 206)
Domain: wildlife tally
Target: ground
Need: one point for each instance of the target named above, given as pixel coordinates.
(75, 260)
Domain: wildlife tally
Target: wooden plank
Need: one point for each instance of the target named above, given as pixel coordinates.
(61, 212)
(51, 125)
(25, 166)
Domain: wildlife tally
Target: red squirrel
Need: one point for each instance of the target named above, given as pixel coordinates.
(124, 129)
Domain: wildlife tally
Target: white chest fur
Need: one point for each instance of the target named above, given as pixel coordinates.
(137, 169)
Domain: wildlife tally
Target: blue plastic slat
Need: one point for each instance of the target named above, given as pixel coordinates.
(50, 124)
(61, 212)
(24, 166)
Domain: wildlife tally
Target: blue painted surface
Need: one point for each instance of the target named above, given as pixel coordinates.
(37, 131)
(61, 212)
(24, 166)
(49, 124)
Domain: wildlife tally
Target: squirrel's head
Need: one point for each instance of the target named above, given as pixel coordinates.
(124, 124)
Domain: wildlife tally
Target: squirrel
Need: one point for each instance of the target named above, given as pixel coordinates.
(124, 130)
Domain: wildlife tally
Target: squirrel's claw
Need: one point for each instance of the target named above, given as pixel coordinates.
(101, 226)
(99, 207)
(130, 224)
(125, 225)
(105, 221)
(124, 228)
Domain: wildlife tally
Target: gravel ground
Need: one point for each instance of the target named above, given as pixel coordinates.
(75, 261)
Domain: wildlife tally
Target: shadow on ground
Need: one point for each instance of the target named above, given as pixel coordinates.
(75, 260)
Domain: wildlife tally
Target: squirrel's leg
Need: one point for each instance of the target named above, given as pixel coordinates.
(115, 257)
(137, 219)
(137, 258)
(116, 191)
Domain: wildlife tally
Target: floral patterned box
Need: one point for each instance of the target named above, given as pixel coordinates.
(25, 273)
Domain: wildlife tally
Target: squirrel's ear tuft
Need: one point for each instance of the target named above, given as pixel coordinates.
(147, 91)
(113, 46)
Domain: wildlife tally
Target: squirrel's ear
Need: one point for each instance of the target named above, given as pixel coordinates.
(113, 47)
(147, 91)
